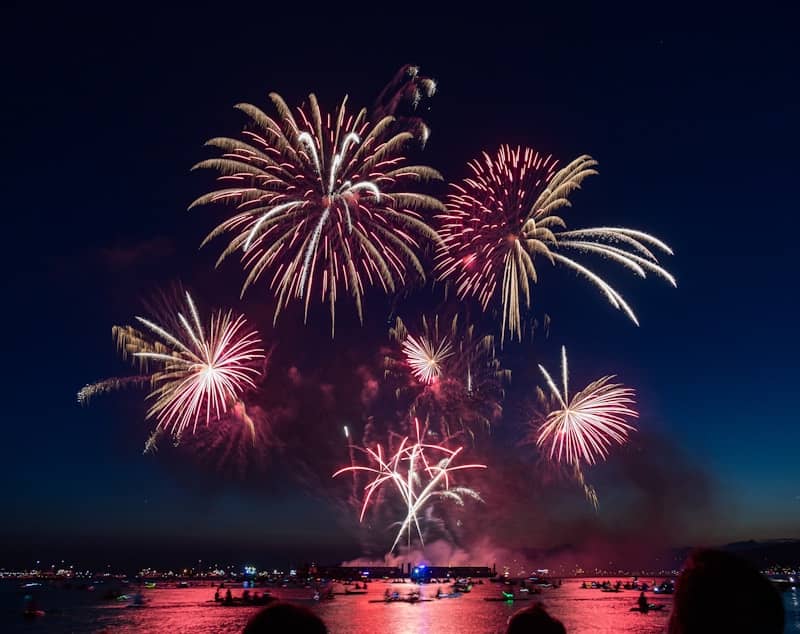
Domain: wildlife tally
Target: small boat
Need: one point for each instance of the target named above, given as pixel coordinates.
(411, 599)
(651, 607)
(507, 596)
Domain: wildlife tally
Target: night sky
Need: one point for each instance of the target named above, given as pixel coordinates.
(694, 123)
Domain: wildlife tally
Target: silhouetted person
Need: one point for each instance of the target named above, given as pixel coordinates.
(719, 592)
(642, 601)
(228, 596)
(534, 620)
(285, 618)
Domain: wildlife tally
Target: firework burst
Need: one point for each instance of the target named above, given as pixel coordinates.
(322, 203)
(503, 216)
(454, 378)
(580, 429)
(425, 358)
(421, 474)
(195, 373)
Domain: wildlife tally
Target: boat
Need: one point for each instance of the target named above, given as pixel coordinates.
(396, 598)
(508, 596)
(665, 588)
(402, 600)
(238, 602)
(137, 601)
(651, 607)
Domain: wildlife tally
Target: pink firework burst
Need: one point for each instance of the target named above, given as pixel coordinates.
(421, 473)
(503, 216)
(451, 375)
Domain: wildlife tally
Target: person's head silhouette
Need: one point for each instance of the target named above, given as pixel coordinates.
(534, 620)
(281, 618)
(719, 592)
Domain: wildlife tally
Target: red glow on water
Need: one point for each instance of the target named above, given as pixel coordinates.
(193, 610)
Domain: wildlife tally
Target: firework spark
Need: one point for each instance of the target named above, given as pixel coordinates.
(583, 427)
(454, 376)
(195, 373)
(503, 216)
(323, 202)
(421, 473)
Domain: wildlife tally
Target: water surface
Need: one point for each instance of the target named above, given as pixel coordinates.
(178, 610)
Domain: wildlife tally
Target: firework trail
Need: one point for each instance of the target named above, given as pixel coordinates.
(401, 99)
(322, 203)
(581, 429)
(151, 444)
(88, 392)
(421, 474)
(195, 372)
(589, 491)
(351, 456)
(503, 216)
(453, 376)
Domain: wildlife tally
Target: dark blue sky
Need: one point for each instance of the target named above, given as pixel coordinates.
(694, 123)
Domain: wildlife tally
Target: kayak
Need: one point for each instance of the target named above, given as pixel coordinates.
(650, 608)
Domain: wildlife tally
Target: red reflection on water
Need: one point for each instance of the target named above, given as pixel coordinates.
(193, 609)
